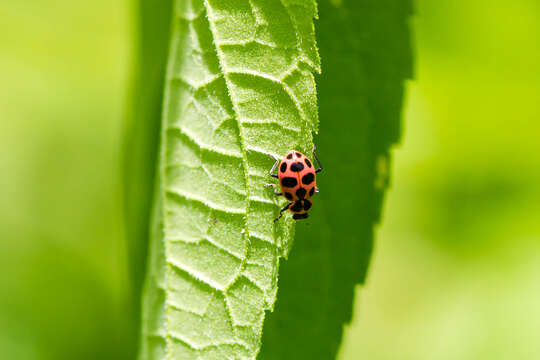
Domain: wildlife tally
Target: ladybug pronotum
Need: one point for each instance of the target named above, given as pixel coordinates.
(298, 182)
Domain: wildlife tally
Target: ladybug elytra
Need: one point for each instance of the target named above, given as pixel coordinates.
(298, 182)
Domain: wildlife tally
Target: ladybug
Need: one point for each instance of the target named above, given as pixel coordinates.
(297, 180)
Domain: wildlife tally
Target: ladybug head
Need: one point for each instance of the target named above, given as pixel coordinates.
(300, 216)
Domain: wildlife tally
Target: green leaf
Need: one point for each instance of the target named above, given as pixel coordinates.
(152, 344)
(143, 123)
(141, 143)
(239, 87)
(366, 55)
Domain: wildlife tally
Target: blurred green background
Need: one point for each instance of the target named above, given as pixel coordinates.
(456, 267)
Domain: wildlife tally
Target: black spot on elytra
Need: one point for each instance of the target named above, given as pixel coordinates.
(307, 205)
(288, 195)
(289, 182)
(283, 167)
(308, 178)
(298, 155)
(300, 216)
(289, 156)
(312, 191)
(301, 193)
(308, 163)
(297, 207)
(296, 167)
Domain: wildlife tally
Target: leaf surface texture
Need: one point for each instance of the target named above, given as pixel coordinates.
(239, 87)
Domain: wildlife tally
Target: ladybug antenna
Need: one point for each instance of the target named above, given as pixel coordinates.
(281, 211)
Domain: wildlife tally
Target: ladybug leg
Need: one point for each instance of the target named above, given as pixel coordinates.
(316, 158)
(281, 211)
(274, 168)
(274, 188)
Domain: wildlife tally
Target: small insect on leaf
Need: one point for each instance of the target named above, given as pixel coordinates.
(298, 182)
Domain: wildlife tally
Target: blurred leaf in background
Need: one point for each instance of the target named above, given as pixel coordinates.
(366, 57)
